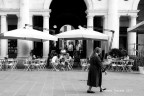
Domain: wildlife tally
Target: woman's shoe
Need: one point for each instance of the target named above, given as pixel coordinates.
(102, 89)
(88, 91)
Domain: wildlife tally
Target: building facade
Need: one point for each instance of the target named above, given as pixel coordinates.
(99, 15)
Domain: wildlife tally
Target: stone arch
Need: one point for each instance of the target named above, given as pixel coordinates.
(88, 3)
(140, 7)
(135, 4)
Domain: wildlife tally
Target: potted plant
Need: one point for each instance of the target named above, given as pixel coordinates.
(115, 53)
(140, 63)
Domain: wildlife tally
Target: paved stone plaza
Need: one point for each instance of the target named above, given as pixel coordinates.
(67, 83)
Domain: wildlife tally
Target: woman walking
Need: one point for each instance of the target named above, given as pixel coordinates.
(95, 71)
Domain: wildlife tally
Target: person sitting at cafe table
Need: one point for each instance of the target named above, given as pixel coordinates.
(68, 58)
(62, 64)
(55, 61)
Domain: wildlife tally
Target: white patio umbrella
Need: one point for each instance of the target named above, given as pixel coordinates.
(28, 34)
(137, 28)
(83, 34)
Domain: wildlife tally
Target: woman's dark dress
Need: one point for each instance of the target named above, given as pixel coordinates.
(95, 72)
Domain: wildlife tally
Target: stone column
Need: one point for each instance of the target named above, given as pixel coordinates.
(105, 31)
(90, 24)
(46, 43)
(113, 22)
(4, 42)
(132, 37)
(23, 45)
(18, 23)
(31, 43)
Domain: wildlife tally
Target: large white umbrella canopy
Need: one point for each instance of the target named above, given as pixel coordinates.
(137, 28)
(83, 33)
(27, 33)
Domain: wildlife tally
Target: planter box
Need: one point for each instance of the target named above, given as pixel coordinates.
(141, 70)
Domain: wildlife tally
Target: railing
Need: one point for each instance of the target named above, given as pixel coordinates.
(138, 57)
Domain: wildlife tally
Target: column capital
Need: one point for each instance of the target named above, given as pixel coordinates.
(3, 15)
(104, 16)
(133, 16)
(90, 16)
(31, 15)
(46, 15)
(18, 15)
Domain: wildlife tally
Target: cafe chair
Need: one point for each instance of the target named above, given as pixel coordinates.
(11, 63)
(1, 65)
(26, 64)
(129, 65)
(42, 63)
(54, 66)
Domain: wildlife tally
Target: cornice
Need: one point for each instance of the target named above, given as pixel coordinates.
(105, 12)
(8, 11)
(88, 12)
(128, 12)
(96, 12)
(40, 11)
(32, 11)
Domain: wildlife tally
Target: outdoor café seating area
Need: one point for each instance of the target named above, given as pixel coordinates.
(64, 62)
(29, 64)
(119, 65)
(119, 60)
(35, 64)
(40, 64)
(8, 64)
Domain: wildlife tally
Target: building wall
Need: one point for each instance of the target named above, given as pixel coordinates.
(94, 7)
(91, 4)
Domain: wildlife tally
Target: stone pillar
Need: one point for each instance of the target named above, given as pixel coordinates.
(24, 12)
(31, 43)
(132, 37)
(46, 43)
(105, 31)
(18, 23)
(23, 45)
(113, 22)
(4, 42)
(90, 43)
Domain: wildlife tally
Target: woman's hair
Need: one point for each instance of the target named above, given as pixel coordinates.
(96, 50)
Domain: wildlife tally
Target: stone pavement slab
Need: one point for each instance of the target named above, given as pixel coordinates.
(68, 83)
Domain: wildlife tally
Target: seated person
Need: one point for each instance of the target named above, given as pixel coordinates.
(107, 61)
(55, 61)
(63, 51)
(68, 58)
(126, 58)
(62, 63)
(85, 64)
(61, 56)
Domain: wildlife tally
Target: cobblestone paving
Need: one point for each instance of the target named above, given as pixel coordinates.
(68, 83)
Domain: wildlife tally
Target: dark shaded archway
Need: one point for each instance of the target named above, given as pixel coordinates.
(70, 12)
(141, 12)
(67, 12)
